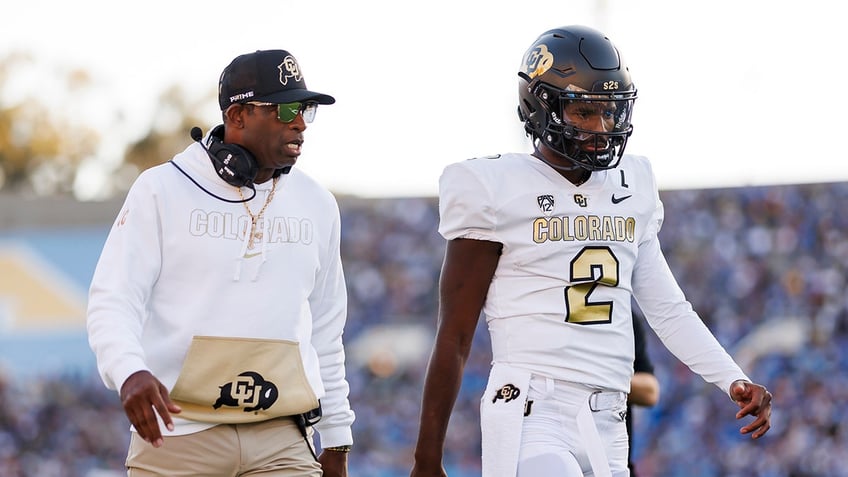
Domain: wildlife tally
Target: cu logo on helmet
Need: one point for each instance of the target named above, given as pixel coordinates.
(608, 85)
(538, 61)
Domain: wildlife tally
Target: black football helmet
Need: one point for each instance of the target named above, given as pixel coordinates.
(576, 96)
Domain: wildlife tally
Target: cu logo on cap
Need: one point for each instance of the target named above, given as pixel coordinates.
(289, 69)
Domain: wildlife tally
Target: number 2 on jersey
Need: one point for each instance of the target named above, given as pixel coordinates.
(592, 266)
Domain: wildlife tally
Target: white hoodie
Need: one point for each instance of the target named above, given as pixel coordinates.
(176, 265)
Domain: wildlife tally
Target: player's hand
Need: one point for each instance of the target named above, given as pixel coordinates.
(427, 471)
(143, 396)
(753, 400)
(333, 464)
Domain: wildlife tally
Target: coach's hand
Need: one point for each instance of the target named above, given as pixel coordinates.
(333, 464)
(141, 394)
(753, 400)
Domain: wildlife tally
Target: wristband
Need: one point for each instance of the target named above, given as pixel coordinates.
(339, 448)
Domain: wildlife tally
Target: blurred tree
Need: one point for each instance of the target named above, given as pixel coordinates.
(38, 146)
(44, 141)
(169, 134)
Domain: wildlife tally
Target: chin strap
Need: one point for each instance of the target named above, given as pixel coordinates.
(585, 173)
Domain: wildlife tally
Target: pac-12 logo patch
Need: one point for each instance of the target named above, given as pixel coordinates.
(546, 204)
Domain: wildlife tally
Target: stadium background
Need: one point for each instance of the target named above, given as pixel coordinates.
(765, 266)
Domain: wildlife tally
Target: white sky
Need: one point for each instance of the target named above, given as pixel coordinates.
(731, 92)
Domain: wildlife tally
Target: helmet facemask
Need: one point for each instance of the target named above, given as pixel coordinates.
(588, 128)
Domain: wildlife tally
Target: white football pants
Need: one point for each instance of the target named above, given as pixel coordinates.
(572, 432)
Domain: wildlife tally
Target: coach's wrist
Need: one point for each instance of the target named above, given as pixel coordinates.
(345, 448)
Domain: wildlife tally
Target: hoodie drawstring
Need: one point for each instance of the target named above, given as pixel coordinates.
(248, 241)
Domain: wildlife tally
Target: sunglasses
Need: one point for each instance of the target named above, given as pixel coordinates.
(286, 112)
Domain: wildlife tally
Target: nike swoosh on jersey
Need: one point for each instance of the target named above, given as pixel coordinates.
(616, 200)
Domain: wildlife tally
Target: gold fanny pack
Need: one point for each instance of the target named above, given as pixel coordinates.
(240, 380)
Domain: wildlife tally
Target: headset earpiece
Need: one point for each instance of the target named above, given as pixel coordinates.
(233, 163)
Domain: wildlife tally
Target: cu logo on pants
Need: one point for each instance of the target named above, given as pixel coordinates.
(508, 392)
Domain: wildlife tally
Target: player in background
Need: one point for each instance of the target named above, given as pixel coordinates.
(551, 246)
(644, 387)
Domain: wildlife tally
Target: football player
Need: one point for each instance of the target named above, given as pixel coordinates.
(550, 247)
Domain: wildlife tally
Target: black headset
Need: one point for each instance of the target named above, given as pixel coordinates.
(233, 163)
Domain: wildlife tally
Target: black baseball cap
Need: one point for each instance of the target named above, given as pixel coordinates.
(267, 76)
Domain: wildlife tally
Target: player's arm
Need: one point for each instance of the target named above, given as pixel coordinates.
(687, 337)
(467, 271)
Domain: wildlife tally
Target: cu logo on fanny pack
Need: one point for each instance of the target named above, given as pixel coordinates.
(250, 390)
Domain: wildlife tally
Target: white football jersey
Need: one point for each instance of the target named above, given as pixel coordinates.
(560, 300)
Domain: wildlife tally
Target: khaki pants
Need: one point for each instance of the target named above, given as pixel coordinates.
(270, 448)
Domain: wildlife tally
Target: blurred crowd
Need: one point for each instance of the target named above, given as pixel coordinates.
(765, 267)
